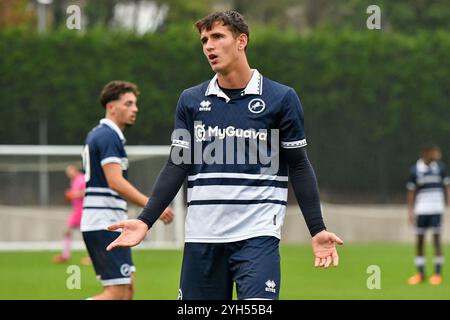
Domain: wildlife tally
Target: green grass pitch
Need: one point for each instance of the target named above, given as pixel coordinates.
(32, 275)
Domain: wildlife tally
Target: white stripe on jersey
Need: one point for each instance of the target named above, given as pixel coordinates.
(100, 219)
(111, 160)
(293, 144)
(226, 192)
(104, 201)
(430, 201)
(99, 189)
(180, 143)
(217, 223)
(236, 176)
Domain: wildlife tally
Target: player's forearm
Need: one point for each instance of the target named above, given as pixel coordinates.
(166, 187)
(79, 194)
(448, 195)
(410, 199)
(304, 183)
(128, 191)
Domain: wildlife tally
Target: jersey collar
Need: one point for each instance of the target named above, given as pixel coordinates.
(254, 86)
(423, 167)
(113, 126)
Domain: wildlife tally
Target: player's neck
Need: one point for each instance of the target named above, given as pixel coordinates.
(236, 79)
(119, 125)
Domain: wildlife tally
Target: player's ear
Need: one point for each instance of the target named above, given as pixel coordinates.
(242, 41)
(110, 109)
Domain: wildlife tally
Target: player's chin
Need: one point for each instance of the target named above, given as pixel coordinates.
(131, 121)
(215, 67)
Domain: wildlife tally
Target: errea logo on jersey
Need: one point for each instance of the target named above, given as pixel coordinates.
(421, 180)
(205, 106)
(270, 286)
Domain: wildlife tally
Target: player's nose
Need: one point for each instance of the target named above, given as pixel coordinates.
(208, 46)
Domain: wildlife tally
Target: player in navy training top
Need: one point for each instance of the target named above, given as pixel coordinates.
(237, 138)
(106, 166)
(427, 187)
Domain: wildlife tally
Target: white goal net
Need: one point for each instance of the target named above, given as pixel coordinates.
(33, 209)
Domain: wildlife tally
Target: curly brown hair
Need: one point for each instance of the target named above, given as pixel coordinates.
(115, 89)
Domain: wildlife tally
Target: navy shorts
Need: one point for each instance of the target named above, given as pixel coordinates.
(112, 267)
(425, 221)
(210, 269)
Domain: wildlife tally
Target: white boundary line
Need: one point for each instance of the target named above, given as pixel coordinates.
(76, 245)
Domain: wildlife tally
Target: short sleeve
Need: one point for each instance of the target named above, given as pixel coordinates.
(110, 150)
(292, 133)
(444, 174)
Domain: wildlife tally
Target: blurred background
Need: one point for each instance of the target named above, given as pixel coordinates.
(371, 98)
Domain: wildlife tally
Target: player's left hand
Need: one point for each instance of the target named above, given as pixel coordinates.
(69, 195)
(133, 232)
(324, 249)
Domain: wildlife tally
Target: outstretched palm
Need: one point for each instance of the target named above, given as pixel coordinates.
(324, 249)
(133, 232)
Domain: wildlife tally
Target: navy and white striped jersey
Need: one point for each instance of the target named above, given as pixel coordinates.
(429, 181)
(103, 206)
(231, 196)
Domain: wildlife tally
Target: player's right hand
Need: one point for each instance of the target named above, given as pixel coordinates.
(133, 232)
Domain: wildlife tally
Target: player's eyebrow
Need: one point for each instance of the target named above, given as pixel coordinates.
(212, 35)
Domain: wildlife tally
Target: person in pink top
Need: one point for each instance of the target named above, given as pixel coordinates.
(74, 195)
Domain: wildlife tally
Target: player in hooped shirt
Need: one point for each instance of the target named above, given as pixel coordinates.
(108, 190)
(428, 191)
(236, 205)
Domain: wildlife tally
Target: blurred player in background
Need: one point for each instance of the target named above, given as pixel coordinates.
(235, 208)
(74, 195)
(428, 188)
(106, 170)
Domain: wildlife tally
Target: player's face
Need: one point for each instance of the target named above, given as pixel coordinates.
(71, 172)
(124, 110)
(221, 48)
(432, 155)
(435, 155)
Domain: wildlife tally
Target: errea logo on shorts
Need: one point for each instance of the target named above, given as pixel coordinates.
(270, 286)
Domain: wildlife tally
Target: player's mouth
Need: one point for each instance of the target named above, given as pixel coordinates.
(213, 58)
